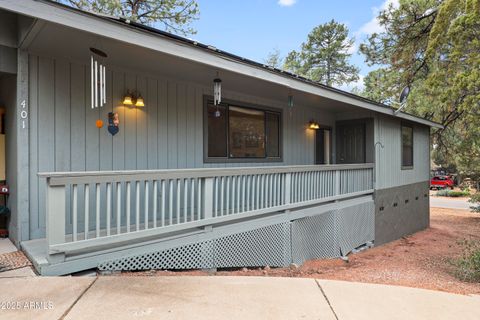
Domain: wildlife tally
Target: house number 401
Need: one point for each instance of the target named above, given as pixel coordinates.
(23, 113)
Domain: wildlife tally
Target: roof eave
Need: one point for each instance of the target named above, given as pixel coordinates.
(122, 30)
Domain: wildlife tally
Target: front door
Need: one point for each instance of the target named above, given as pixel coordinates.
(350, 142)
(2, 145)
(323, 146)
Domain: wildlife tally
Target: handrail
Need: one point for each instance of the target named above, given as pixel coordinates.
(62, 178)
(108, 207)
(145, 234)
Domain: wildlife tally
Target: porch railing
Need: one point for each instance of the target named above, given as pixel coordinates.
(105, 208)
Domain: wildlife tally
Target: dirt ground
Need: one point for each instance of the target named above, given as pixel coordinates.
(422, 260)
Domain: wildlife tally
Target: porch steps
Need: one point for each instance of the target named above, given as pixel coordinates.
(278, 239)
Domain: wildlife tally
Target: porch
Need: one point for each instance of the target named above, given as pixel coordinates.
(94, 218)
(180, 176)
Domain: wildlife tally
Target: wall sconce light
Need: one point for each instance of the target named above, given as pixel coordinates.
(127, 100)
(139, 102)
(313, 125)
(135, 99)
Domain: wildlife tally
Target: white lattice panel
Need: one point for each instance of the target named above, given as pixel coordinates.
(192, 256)
(314, 238)
(267, 246)
(264, 246)
(327, 235)
(355, 226)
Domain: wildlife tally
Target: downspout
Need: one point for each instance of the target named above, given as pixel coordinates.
(378, 143)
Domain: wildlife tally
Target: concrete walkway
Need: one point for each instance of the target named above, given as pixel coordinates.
(118, 297)
(450, 203)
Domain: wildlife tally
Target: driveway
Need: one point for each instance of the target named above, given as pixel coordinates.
(123, 297)
(450, 203)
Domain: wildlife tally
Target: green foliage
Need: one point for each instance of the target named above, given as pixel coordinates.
(274, 59)
(174, 15)
(452, 193)
(324, 56)
(293, 63)
(381, 85)
(468, 265)
(475, 200)
(434, 46)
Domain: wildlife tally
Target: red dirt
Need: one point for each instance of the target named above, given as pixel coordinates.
(422, 260)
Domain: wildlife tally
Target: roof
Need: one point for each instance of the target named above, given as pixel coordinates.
(42, 9)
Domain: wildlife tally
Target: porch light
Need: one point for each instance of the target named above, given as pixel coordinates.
(313, 125)
(133, 99)
(127, 100)
(139, 102)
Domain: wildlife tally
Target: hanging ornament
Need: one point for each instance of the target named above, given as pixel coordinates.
(217, 113)
(290, 101)
(217, 94)
(113, 123)
(217, 91)
(98, 78)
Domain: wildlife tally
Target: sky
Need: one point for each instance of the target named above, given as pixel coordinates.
(253, 28)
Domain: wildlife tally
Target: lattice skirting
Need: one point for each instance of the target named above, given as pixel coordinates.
(326, 235)
(314, 237)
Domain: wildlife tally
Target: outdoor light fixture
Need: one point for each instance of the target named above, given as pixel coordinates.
(133, 99)
(139, 102)
(128, 100)
(313, 125)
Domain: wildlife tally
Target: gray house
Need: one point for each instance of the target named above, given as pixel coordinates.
(129, 148)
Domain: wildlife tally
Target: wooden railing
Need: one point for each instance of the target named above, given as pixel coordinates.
(87, 210)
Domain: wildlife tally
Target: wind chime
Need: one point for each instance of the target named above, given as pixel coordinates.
(98, 78)
(217, 94)
(290, 102)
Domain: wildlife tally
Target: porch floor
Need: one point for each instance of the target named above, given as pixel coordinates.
(244, 239)
(36, 251)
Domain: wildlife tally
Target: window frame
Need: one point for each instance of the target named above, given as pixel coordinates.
(408, 125)
(207, 99)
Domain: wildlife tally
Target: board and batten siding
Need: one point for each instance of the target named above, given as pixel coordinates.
(389, 171)
(165, 134)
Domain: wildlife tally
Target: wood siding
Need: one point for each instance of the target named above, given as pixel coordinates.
(388, 158)
(165, 134)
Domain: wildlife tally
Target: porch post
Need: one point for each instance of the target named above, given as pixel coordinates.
(288, 188)
(55, 214)
(337, 182)
(22, 148)
(208, 198)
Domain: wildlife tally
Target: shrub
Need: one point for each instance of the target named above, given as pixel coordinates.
(452, 193)
(475, 199)
(468, 266)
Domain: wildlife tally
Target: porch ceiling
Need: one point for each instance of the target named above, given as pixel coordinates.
(63, 42)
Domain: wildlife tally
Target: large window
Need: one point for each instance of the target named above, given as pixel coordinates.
(407, 147)
(236, 132)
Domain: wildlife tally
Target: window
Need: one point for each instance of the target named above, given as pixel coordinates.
(217, 129)
(407, 147)
(238, 132)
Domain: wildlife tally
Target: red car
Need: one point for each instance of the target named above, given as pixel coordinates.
(441, 182)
